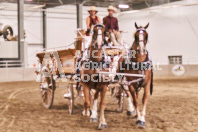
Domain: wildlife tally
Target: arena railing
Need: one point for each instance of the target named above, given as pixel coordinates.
(11, 64)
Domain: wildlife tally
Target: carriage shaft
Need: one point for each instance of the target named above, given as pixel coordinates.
(124, 74)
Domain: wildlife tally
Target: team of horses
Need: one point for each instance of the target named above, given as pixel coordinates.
(140, 59)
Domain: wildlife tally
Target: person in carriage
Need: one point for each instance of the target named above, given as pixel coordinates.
(92, 19)
(111, 24)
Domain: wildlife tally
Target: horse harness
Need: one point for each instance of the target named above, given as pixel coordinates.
(140, 81)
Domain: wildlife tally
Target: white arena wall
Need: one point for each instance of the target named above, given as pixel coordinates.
(173, 30)
(61, 24)
(17, 74)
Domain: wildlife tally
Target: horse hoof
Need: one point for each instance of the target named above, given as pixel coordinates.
(101, 126)
(141, 124)
(93, 119)
(131, 113)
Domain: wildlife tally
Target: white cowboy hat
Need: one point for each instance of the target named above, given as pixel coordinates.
(112, 8)
(93, 8)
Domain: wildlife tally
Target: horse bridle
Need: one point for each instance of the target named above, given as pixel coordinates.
(95, 44)
(141, 32)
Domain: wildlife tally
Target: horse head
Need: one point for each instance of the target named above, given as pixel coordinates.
(141, 39)
(98, 37)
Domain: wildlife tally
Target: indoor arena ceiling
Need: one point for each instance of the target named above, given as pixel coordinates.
(133, 4)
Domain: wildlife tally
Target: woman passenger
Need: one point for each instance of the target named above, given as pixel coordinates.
(92, 19)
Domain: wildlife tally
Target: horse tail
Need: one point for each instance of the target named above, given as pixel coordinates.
(151, 86)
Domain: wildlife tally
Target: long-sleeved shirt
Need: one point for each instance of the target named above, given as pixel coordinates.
(111, 23)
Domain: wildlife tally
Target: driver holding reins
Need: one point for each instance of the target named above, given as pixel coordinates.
(111, 24)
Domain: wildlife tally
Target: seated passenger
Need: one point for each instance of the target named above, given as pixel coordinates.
(92, 19)
(111, 24)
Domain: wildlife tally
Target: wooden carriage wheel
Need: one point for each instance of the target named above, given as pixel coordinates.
(47, 91)
(71, 100)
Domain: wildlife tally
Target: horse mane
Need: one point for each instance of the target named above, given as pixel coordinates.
(134, 34)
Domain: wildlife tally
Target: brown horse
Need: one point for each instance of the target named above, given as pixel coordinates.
(90, 78)
(139, 63)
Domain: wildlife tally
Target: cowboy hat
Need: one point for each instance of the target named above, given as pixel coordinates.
(112, 8)
(93, 8)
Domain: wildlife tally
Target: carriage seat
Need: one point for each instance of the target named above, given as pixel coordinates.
(82, 41)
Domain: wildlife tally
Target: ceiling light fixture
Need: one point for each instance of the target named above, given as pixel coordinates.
(123, 6)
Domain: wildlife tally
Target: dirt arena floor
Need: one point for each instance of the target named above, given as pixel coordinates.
(173, 107)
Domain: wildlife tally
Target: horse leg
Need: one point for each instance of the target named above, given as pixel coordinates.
(135, 100)
(87, 111)
(130, 107)
(91, 100)
(142, 121)
(94, 116)
(102, 123)
(119, 95)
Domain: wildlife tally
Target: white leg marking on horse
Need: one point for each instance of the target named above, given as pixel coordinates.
(139, 117)
(130, 105)
(94, 110)
(88, 113)
(143, 114)
(144, 110)
(102, 120)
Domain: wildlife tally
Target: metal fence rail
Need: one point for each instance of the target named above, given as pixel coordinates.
(7, 64)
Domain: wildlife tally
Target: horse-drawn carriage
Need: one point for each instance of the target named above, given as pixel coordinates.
(59, 64)
(64, 63)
